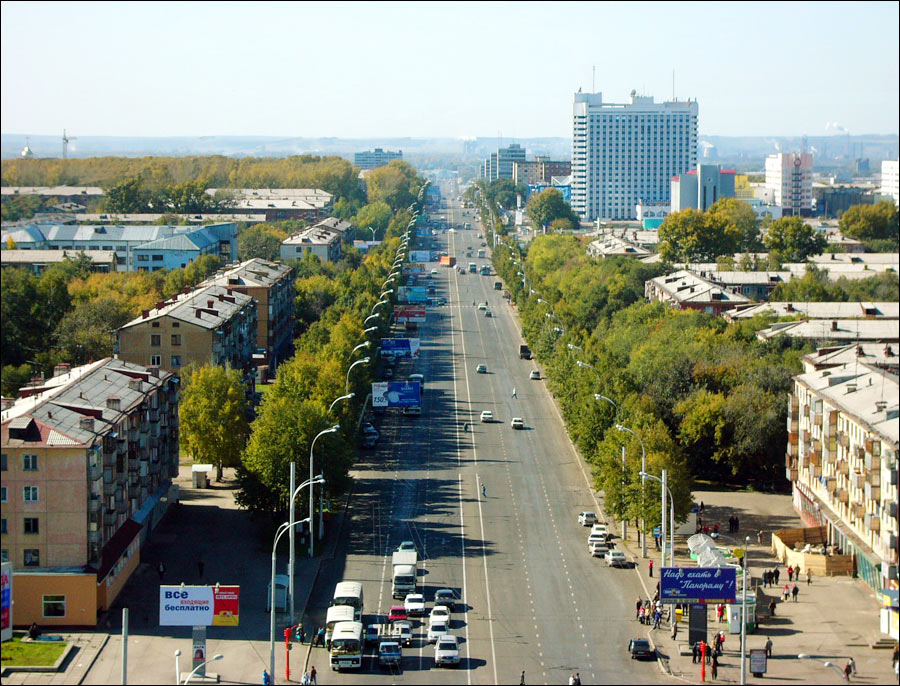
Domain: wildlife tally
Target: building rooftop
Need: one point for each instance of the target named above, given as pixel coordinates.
(819, 310)
(208, 307)
(846, 330)
(866, 393)
(198, 239)
(687, 287)
(50, 191)
(149, 218)
(14, 257)
(314, 196)
(884, 355)
(54, 413)
(335, 224)
(254, 272)
(314, 235)
(610, 246)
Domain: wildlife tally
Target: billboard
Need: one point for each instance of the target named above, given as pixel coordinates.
(698, 585)
(199, 605)
(412, 294)
(400, 347)
(6, 619)
(420, 256)
(416, 268)
(396, 393)
(410, 313)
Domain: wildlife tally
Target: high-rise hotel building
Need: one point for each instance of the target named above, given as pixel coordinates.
(623, 154)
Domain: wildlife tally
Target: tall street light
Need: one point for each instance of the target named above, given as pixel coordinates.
(373, 233)
(371, 316)
(292, 519)
(349, 396)
(371, 328)
(333, 429)
(598, 397)
(744, 565)
(643, 469)
(666, 491)
(387, 292)
(202, 665)
(285, 526)
(572, 346)
(364, 360)
(364, 344)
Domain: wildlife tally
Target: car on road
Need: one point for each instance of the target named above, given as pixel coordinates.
(445, 597)
(587, 518)
(517, 423)
(439, 612)
(434, 271)
(487, 416)
(616, 558)
(414, 604)
(404, 546)
(401, 630)
(487, 313)
(438, 628)
(598, 549)
(594, 537)
(600, 529)
(535, 375)
(481, 369)
(369, 430)
(372, 634)
(369, 441)
(389, 654)
(446, 651)
(482, 306)
(397, 613)
(640, 649)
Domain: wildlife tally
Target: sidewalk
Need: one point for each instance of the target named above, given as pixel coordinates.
(88, 646)
(833, 619)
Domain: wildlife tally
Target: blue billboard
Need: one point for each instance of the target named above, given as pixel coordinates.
(711, 585)
(400, 347)
(396, 393)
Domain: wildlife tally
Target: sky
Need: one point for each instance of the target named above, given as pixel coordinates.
(433, 69)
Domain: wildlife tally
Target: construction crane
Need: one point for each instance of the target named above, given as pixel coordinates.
(65, 142)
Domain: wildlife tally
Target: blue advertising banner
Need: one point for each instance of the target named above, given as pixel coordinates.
(396, 394)
(698, 585)
(400, 347)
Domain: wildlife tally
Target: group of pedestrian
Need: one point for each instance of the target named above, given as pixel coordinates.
(649, 612)
(770, 577)
(720, 612)
(734, 524)
(309, 677)
(788, 591)
(575, 679)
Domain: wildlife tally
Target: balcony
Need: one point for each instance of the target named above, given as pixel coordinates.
(108, 476)
(793, 438)
(872, 462)
(856, 480)
(872, 492)
(873, 478)
(858, 510)
(94, 472)
(817, 419)
(793, 425)
(873, 523)
(94, 505)
(95, 537)
(791, 474)
(842, 467)
(843, 439)
(873, 447)
(790, 461)
(842, 495)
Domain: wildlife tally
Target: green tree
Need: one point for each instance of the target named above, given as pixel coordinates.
(739, 217)
(547, 206)
(127, 197)
(213, 416)
(794, 240)
(871, 222)
(377, 215)
(692, 236)
(395, 184)
(13, 378)
(189, 197)
(260, 240)
(85, 332)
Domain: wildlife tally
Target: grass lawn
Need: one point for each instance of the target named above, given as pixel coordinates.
(15, 653)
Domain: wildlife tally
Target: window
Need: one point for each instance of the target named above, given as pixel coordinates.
(2, 494)
(3, 466)
(175, 325)
(155, 325)
(155, 340)
(30, 494)
(143, 258)
(31, 557)
(157, 258)
(3, 529)
(29, 463)
(176, 339)
(155, 360)
(176, 360)
(54, 605)
(31, 525)
(4, 555)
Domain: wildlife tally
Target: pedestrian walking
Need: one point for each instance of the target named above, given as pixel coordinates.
(852, 664)
(266, 679)
(847, 671)
(790, 573)
(641, 615)
(720, 613)
(466, 427)
(320, 637)
(577, 679)
(522, 679)
(772, 607)
(162, 570)
(777, 574)
(808, 576)
(483, 491)
(637, 608)
(795, 592)
(312, 675)
(305, 679)
(701, 507)
(301, 634)
(695, 652)
(768, 647)
(674, 631)
(571, 680)
(895, 658)
(514, 393)
(759, 537)
(200, 567)
(737, 523)
(715, 667)
(716, 529)
(786, 593)
(650, 565)
(656, 619)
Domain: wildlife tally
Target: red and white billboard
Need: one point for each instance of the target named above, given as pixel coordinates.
(199, 605)
(409, 313)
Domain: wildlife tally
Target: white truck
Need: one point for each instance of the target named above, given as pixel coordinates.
(405, 565)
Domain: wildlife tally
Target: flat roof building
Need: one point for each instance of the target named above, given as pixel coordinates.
(688, 291)
(37, 261)
(372, 159)
(320, 241)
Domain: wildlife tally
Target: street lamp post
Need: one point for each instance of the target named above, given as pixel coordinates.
(337, 400)
(371, 316)
(278, 534)
(824, 663)
(364, 344)
(745, 566)
(203, 664)
(364, 360)
(373, 233)
(643, 470)
(371, 328)
(666, 491)
(177, 670)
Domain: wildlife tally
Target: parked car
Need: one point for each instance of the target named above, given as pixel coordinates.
(481, 369)
(517, 423)
(587, 518)
(600, 529)
(446, 651)
(598, 549)
(535, 375)
(445, 597)
(640, 649)
(616, 558)
(487, 416)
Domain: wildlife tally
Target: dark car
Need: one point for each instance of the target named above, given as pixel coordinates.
(640, 649)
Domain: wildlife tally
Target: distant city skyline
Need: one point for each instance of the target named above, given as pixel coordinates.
(360, 70)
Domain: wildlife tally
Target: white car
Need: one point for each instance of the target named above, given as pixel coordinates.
(446, 651)
(600, 529)
(438, 628)
(535, 375)
(405, 545)
(596, 538)
(587, 518)
(481, 369)
(517, 423)
(598, 549)
(487, 416)
(482, 306)
(439, 612)
(616, 558)
(414, 604)
(434, 271)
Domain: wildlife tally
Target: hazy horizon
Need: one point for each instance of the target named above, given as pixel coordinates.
(453, 70)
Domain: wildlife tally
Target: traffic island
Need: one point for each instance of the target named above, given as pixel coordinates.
(23, 654)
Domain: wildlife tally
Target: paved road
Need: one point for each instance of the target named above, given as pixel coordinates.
(534, 599)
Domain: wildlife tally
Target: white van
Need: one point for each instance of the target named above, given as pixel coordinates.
(349, 593)
(335, 614)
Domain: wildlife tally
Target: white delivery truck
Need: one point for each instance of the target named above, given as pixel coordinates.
(405, 570)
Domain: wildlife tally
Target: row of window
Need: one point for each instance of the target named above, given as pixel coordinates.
(29, 494)
(156, 339)
(31, 557)
(30, 525)
(29, 463)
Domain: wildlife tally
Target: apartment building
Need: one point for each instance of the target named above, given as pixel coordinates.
(540, 170)
(38, 261)
(623, 154)
(271, 285)
(688, 291)
(841, 460)
(318, 240)
(789, 182)
(88, 459)
(890, 180)
(700, 188)
(819, 310)
(834, 331)
(207, 325)
(372, 159)
(500, 164)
